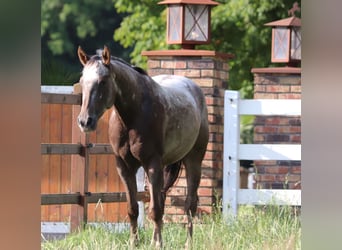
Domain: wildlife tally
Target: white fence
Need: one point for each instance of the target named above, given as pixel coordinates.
(234, 151)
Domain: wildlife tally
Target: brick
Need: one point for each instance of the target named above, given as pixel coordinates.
(201, 64)
(289, 129)
(295, 138)
(212, 155)
(151, 64)
(205, 209)
(217, 110)
(215, 137)
(277, 120)
(215, 128)
(277, 89)
(295, 89)
(265, 129)
(277, 138)
(265, 163)
(207, 73)
(211, 164)
(173, 210)
(296, 170)
(265, 96)
(259, 88)
(206, 201)
(205, 82)
(215, 146)
(290, 96)
(167, 64)
(276, 170)
(181, 182)
(154, 72)
(290, 80)
(214, 101)
(208, 182)
(173, 64)
(205, 191)
(295, 121)
(222, 74)
(264, 177)
(208, 174)
(258, 138)
(294, 178)
(188, 72)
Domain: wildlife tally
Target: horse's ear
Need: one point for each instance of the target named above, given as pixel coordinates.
(82, 56)
(106, 56)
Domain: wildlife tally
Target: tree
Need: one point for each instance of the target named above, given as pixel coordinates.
(67, 24)
(143, 28)
(237, 27)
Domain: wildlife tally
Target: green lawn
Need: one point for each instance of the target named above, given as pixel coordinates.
(259, 228)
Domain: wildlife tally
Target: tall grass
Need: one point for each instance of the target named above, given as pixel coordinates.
(271, 227)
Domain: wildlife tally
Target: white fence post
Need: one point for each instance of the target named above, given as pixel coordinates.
(234, 152)
(140, 178)
(231, 166)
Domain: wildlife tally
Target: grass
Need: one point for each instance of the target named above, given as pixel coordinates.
(270, 227)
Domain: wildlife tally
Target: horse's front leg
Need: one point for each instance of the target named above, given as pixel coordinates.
(157, 200)
(128, 178)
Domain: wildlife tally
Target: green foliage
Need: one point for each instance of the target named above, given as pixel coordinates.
(63, 22)
(237, 27)
(54, 72)
(67, 24)
(242, 24)
(143, 28)
(271, 227)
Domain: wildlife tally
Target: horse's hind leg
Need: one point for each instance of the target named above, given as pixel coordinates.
(192, 163)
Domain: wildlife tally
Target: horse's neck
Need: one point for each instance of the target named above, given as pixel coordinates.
(129, 94)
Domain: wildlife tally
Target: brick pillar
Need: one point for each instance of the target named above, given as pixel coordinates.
(209, 69)
(277, 83)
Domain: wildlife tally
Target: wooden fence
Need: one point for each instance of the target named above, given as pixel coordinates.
(234, 151)
(78, 169)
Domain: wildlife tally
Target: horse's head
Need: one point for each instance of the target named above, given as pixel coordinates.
(98, 91)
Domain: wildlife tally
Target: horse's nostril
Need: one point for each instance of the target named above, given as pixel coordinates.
(89, 122)
(80, 121)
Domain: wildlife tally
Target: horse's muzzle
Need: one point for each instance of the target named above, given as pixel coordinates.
(86, 124)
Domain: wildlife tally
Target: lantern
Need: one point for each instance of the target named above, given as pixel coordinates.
(188, 22)
(286, 38)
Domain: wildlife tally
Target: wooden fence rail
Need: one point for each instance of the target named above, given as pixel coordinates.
(80, 150)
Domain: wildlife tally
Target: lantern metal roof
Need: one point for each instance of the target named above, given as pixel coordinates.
(287, 22)
(204, 2)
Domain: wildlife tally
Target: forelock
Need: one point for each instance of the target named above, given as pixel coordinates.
(94, 69)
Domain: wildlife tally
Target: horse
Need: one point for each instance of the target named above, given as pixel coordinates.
(158, 123)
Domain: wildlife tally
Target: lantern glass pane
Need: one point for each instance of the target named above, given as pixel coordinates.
(174, 24)
(281, 43)
(296, 40)
(196, 23)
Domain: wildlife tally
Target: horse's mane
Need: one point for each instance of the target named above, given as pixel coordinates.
(117, 59)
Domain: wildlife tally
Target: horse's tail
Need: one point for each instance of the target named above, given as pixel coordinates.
(171, 173)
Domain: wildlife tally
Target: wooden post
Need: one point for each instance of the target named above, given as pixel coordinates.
(79, 170)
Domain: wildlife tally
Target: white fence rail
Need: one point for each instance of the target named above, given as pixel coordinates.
(234, 152)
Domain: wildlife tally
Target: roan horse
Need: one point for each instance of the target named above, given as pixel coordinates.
(159, 123)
